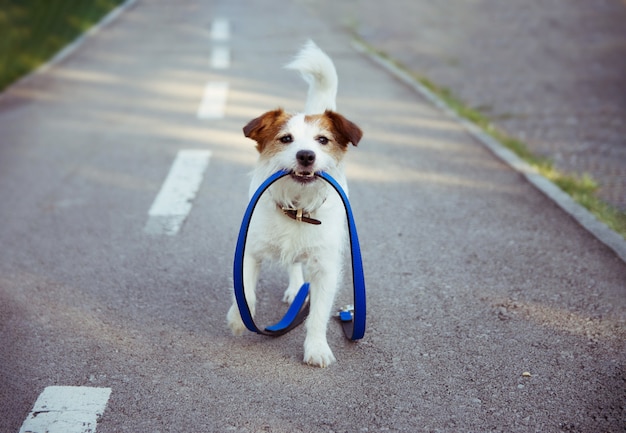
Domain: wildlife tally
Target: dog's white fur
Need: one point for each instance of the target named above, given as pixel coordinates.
(303, 143)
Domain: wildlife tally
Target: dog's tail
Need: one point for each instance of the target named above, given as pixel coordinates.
(318, 70)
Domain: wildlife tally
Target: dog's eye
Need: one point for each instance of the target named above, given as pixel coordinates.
(286, 139)
(322, 140)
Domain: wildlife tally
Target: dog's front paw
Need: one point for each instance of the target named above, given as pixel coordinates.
(290, 294)
(318, 353)
(235, 323)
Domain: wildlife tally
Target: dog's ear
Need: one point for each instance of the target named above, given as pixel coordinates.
(347, 132)
(265, 127)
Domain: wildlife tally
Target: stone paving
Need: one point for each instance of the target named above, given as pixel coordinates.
(549, 72)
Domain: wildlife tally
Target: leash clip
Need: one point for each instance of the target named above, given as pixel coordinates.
(346, 314)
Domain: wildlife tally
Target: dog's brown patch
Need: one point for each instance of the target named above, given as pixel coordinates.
(265, 128)
(344, 131)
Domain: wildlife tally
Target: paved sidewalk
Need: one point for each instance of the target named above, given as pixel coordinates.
(552, 73)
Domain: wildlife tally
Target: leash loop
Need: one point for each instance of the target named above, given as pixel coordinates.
(353, 320)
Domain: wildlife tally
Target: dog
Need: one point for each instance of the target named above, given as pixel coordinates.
(285, 226)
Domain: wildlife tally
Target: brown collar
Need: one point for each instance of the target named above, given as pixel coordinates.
(298, 215)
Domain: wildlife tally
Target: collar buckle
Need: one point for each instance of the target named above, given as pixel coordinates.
(299, 215)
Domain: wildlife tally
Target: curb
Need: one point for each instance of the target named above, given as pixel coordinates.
(597, 228)
(74, 45)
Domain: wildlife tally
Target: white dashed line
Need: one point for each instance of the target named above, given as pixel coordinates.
(67, 409)
(215, 93)
(213, 100)
(220, 58)
(173, 202)
(220, 30)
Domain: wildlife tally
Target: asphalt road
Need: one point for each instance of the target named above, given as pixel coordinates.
(474, 277)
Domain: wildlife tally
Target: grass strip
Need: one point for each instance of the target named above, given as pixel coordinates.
(582, 188)
(35, 30)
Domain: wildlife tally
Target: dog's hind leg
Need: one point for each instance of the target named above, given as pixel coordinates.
(296, 279)
(251, 268)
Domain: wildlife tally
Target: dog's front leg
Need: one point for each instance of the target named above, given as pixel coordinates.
(295, 282)
(251, 268)
(323, 288)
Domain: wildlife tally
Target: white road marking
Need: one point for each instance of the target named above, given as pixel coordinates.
(220, 58)
(174, 201)
(67, 409)
(220, 29)
(213, 100)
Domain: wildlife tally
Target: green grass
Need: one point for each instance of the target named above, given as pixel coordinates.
(582, 188)
(32, 31)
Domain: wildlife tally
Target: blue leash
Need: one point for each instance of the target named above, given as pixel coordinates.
(352, 317)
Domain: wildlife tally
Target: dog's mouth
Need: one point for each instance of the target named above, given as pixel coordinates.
(303, 176)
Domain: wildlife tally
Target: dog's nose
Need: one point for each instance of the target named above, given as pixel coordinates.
(305, 157)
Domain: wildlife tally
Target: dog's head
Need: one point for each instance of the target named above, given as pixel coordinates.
(302, 144)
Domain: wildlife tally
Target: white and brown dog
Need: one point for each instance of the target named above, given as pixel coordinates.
(283, 228)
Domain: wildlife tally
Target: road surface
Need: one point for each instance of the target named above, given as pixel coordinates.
(489, 308)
